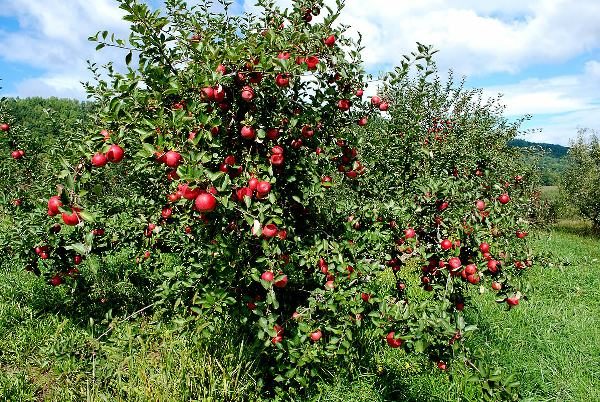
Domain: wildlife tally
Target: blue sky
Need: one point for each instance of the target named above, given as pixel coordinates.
(542, 55)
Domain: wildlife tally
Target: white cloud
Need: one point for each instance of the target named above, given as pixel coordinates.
(475, 37)
(53, 36)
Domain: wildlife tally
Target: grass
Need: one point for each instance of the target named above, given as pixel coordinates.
(551, 342)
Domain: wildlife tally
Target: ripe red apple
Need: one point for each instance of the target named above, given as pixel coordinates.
(71, 219)
(267, 276)
(484, 248)
(323, 265)
(221, 69)
(243, 192)
(282, 80)
(359, 93)
(496, 285)
(263, 188)
(99, 160)
(329, 285)
(330, 40)
(208, 93)
(442, 365)
(219, 96)
(18, 154)
(480, 205)
(311, 62)
(316, 335)
(471, 269)
(283, 56)
(276, 159)
(326, 179)
(454, 263)
(55, 280)
(512, 301)
(492, 266)
(362, 121)
(166, 212)
(248, 132)
(446, 244)
(383, 106)
(273, 133)
(54, 203)
(282, 282)
(253, 183)
(115, 154)
(343, 104)
(521, 234)
(269, 230)
(307, 131)
(172, 159)
(205, 202)
(504, 198)
(375, 100)
(247, 93)
(365, 296)
(4, 127)
(392, 341)
(409, 233)
(77, 259)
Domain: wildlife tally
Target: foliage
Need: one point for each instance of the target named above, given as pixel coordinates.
(581, 180)
(219, 180)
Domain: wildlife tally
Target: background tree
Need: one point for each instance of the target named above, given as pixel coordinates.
(581, 181)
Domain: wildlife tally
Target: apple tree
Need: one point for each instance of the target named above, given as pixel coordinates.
(225, 161)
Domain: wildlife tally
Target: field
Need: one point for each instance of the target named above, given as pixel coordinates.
(551, 343)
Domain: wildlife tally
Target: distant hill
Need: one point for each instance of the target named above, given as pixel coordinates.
(550, 160)
(554, 150)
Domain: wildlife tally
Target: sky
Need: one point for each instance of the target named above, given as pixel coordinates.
(543, 56)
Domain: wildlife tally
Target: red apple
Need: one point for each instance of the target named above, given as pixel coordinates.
(409, 233)
(471, 269)
(365, 296)
(329, 285)
(330, 40)
(383, 106)
(166, 212)
(480, 205)
(205, 202)
(362, 121)
(446, 244)
(54, 203)
(484, 248)
(282, 80)
(253, 183)
(56, 280)
(343, 104)
(316, 335)
(263, 188)
(492, 266)
(247, 93)
(311, 62)
(454, 263)
(269, 230)
(267, 276)
(248, 132)
(375, 100)
(115, 154)
(282, 282)
(172, 159)
(442, 365)
(4, 127)
(512, 301)
(392, 341)
(496, 285)
(99, 160)
(71, 219)
(504, 199)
